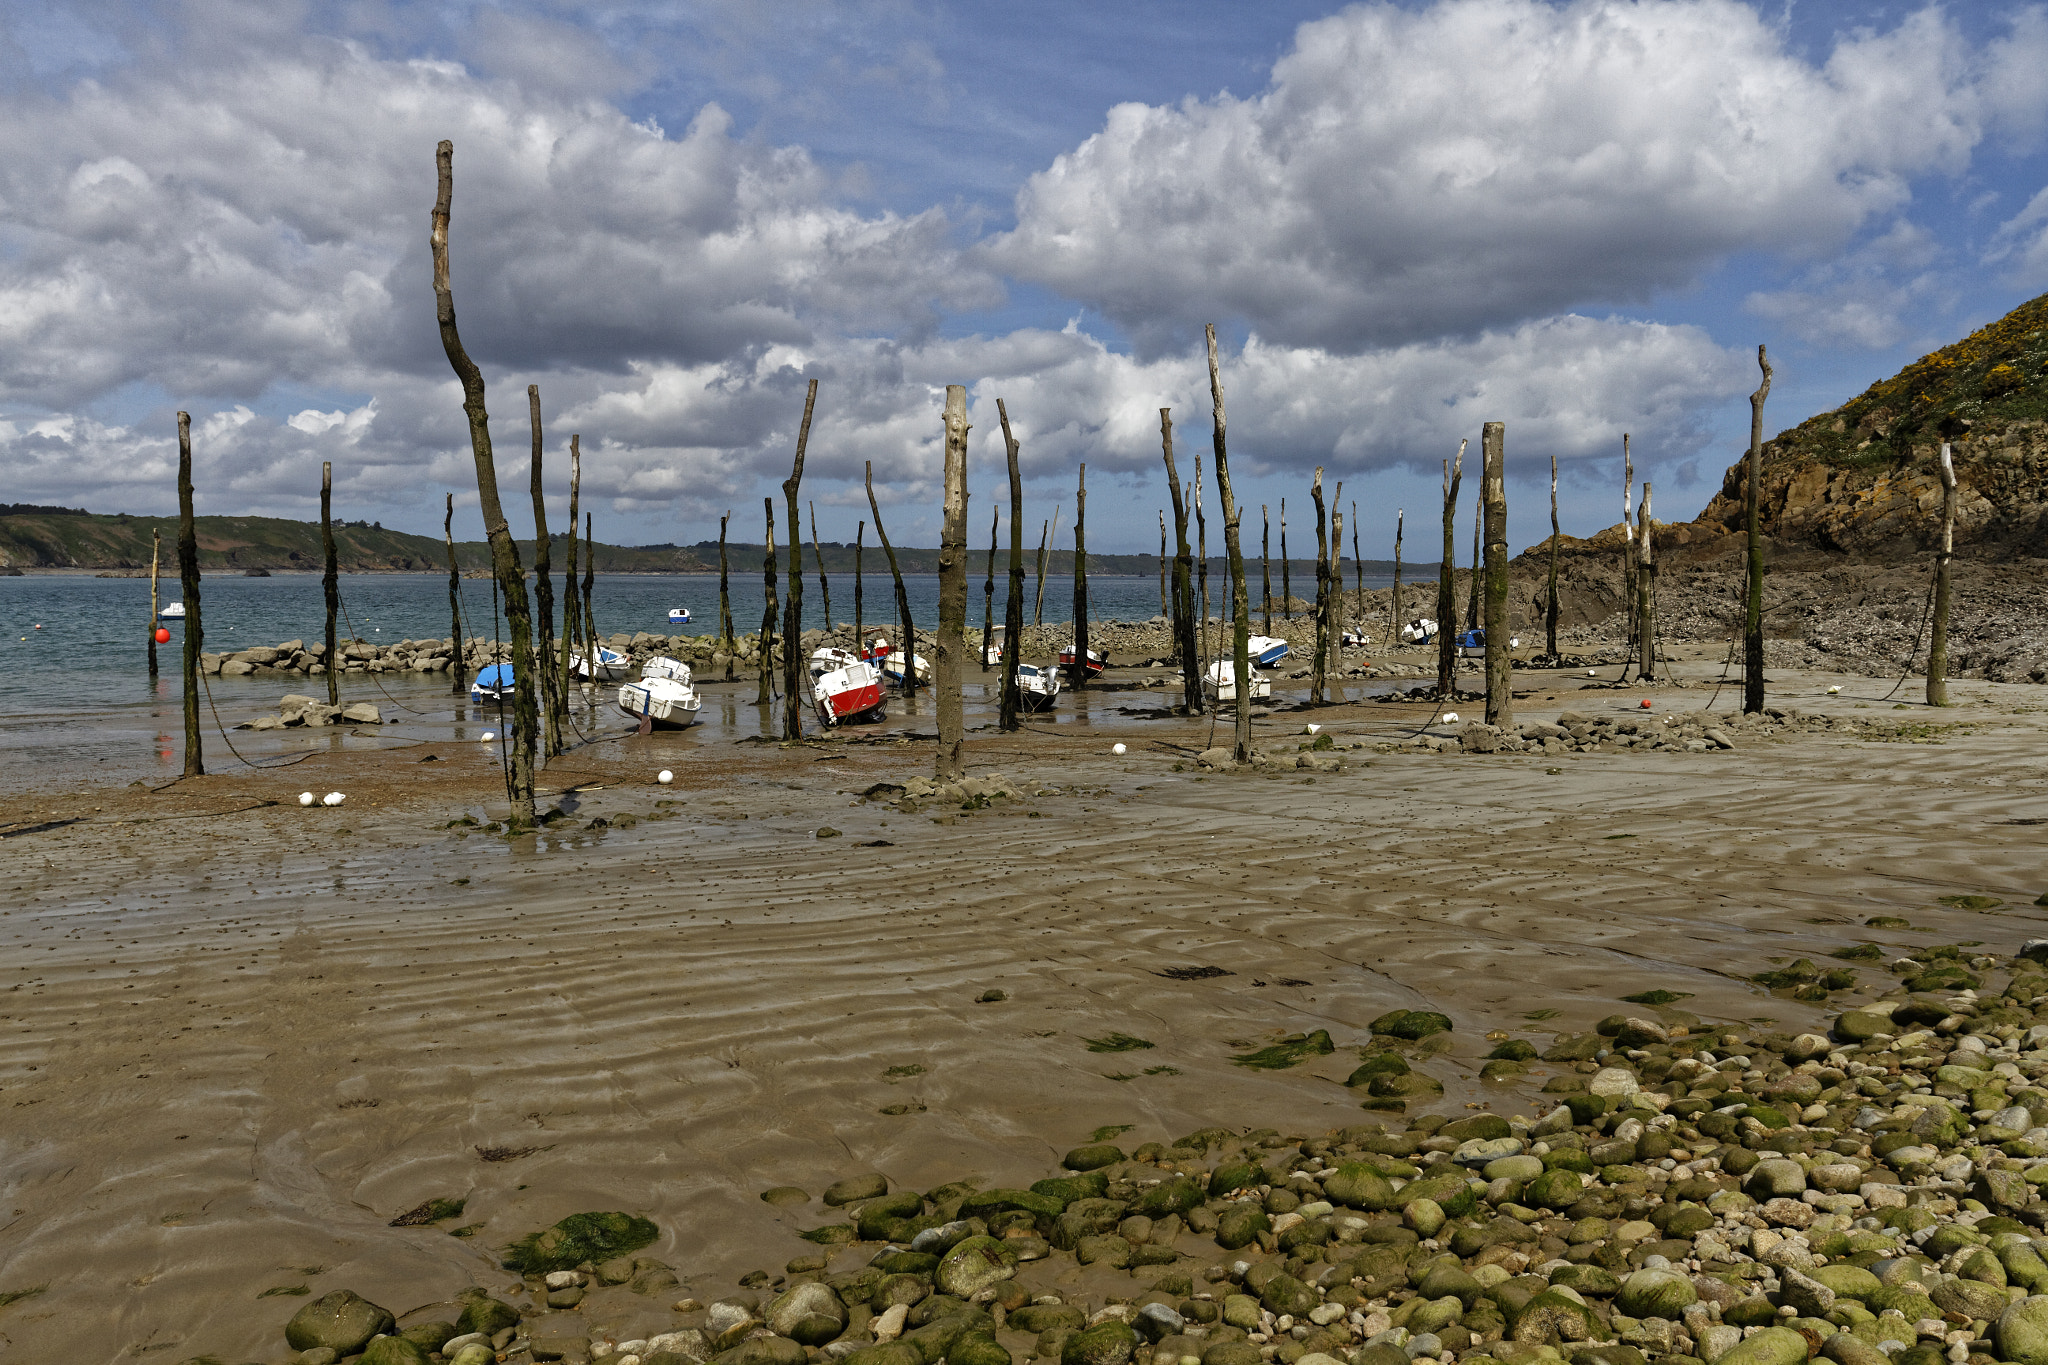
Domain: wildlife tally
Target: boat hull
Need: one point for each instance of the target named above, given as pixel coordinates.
(1266, 651)
(679, 616)
(848, 695)
(1095, 660)
(662, 703)
(1037, 688)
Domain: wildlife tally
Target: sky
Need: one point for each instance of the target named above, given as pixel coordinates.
(1405, 219)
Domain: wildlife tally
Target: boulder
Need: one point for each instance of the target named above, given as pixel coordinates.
(809, 1314)
(362, 713)
(342, 1321)
(2021, 1331)
(971, 1266)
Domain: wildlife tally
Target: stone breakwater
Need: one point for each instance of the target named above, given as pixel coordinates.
(1676, 1190)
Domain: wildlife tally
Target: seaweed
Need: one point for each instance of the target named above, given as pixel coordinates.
(578, 1238)
(1193, 973)
(1109, 1131)
(1970, 902)
(1117, 1042)
(428, 1211)
(1292, 1050)
(1656, 997)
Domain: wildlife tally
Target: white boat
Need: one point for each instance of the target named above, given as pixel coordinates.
(660, 702)
(661, 666)
(1037, 688)
(830, 659)
(1266, 651)
(1095, 660)
(850, 692)
(171, 611)
(679, 616)
(609, 667)
(1354, 639)
(493, 682)
(1221, 682)
(992, 653)
(1472, 643)
(891, 661)
(1420, 631)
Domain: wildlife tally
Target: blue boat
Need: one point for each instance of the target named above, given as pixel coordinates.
(493, 683)
(1266, 651)
(679, 616)
(1472, 643)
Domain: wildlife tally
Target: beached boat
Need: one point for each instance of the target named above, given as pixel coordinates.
(1472, 643)
(1095, 660)
(609, 667)
(1420, 631)
(1266, 651)
(660, 702)
(679, 616)
(1354, 639)
(171, 611)
(891, 662)
(493, 683)
(1037, 688)
(830, 659)
(848, 693)
(992, 652)
(661, 666)
(1221, 682)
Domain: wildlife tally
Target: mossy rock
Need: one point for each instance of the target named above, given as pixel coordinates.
(1236, 1175)
(1513, 1050)
(1092, 1157)
(1068, 1188)
(1106, 1343)
(1240, 1226)
(1411, 1025)
(578, 1238)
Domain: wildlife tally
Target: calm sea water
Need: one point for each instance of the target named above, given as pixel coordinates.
(77, 703)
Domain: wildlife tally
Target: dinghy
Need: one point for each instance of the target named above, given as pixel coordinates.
(493, 683)
(1354, 639)
(661, 703)
(1037, 688)
(1267, 652)
(1221, 682)
(679, 616)
(1095, 660)
(1420, 631)
(610, 665)
(661, 666)
(172, 611)
(848, 693)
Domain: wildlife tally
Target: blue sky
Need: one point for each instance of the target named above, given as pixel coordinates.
(1579, 218)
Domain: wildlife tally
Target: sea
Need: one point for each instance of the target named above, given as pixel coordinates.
(77, 703)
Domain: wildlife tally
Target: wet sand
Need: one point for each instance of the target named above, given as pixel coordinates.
(237, 1041)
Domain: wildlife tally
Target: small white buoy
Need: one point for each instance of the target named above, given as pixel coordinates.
(1314, 729)
(305, 798)
(664, 777)
(487, 736)
(1450, 717)
(1589, 672)
(1117, 749)
(332, 799)
(1836, 688)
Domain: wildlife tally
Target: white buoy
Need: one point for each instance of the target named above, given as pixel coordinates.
(1836, 688)
(305, 798)
(664, 777)
(487, 736)
(1450, 717)
(1315, 729)
(1589, 672)
(332, 799)
(1117, 749)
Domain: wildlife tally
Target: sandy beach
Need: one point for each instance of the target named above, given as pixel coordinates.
(239, 1037)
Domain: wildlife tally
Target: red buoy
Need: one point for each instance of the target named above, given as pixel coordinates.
(1646, 703)
(162, 636)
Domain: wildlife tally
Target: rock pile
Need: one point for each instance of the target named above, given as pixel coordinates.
(295, 710)
(1575, 732)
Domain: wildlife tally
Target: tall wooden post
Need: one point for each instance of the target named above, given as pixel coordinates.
(589, 604)
(1202, 559)
(1165, 608)
(1316, 674)
(952, 643)
(1333, 631)
(1753, 612)
(1045, 531)
(1628, 547)
(988, 585)
(726, 644)
(1646, 594)
(907, 626)
(1266, 564)
(1081, 580)
(765, 696)
(859, 550)
(156, 550)
(330, 580)
(1473, 614)
(1394, 602)
(1357, 567)
(1286, 569)
(551, 683)
(1500, 696)
(1013, 607)
(458, 645)
(1447, 586)
(824, 583)
(572, 604)
(1240, 603)
(1183, 580)
(188, 585)
(1937, 643)
(504, 553)
(793, 676)
(1550, 597)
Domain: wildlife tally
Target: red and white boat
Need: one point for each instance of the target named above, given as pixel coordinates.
(849, 693)
(1095, 660)
(890, 661)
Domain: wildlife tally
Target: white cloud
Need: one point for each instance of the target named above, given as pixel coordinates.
(1412, 173)
(1862, 297)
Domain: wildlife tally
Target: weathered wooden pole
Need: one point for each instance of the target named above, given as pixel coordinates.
(1550, 597)
(1240, 602)
(1446, 584)
(572, 604)
(1500, 662)
(1753, 614)
(1333, 632)
(824, 584)
(1628, 548)
(552, 686)
(1165, 608)
(1646, 594)
(988, 585)
(1013, 606)
(1202, 557)
(188, 585)
(765, 696)
(330, 580)
(952, 643)
(1266, 564)
(1473, 617)
(859, 550)
(1937, 643)
(1317, 667)
(1286, 569)
(1183, 580)
(156, 550)
(589, 602)
(504, 552)
(907, 626)
(794, 679)
(1357, 566)
(1081, 580)
(726, 644)
(459, 651)
(1394, 602)
(1045, 531)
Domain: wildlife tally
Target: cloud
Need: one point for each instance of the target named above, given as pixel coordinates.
(1414, 173)
(1861, 298)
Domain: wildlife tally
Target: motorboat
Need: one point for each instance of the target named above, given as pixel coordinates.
(1037, 688)
(830, 659)
(171, 611)
(662, 703)
(1472, 643)
(1221, 682)
(992, 652)
(679, 616)
(850, 692)
(1354, 639)
(891, 662)
(1266, 651)
(661, 666)
(1095, 660)
(493, 683)
(1420, 631)
(609, 665)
